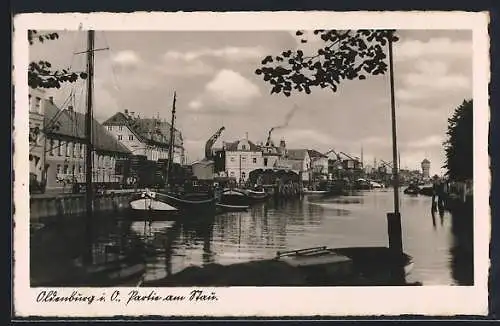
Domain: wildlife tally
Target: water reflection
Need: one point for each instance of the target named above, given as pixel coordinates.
(440, 243)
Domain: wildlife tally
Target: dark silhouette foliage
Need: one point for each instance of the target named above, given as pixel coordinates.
(345, 55)
(41, 74)
(459, 146)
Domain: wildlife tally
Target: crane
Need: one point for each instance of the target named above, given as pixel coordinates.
(386, 164)
(210, 142)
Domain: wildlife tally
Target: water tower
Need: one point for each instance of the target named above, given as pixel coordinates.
(426, 166)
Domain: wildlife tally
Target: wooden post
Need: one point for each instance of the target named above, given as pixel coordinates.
(394, 219)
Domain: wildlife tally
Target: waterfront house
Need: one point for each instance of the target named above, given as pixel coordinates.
(203, 169)
(149, 137)
(241, 158)
(65, 145)
(302, 160)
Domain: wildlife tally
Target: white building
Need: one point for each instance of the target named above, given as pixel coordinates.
(148, 137)
(241, 158)
(303, 160)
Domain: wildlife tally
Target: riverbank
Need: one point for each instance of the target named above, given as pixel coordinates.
(51, 207)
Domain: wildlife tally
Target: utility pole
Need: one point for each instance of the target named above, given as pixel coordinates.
(394, 219)
(88, 132)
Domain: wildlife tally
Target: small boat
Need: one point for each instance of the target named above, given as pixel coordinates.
(256, 195)
(412, 190)
(315, 192)
(233, 200)
(354, 265)
(188, 201)
(146, 206)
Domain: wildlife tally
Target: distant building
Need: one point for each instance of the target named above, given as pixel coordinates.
(241, 158)
(302, 160)
(426, 167)
(319, 162)
(149, 137)
(66, 148)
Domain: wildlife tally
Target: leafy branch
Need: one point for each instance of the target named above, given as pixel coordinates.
(345, 55)
(41, 74)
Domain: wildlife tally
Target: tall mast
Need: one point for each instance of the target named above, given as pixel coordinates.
(88, 135)
(171, 147)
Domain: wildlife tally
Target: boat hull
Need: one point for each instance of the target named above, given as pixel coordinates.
(231, 208)
(234, 199)
(256, 195)
(188, 202)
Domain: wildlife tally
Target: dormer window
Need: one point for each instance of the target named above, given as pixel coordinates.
(244, 147)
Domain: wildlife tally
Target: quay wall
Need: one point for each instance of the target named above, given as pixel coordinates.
(53, 207)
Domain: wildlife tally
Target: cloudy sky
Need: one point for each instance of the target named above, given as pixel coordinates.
(213, 74)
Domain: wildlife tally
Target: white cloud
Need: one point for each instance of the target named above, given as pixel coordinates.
(231, 87)
(126, 58)
(433, 47)
(174, 66)
(437, 82)
(195, 104)
(230, 53)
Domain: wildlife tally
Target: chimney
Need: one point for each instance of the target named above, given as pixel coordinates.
(126, 112)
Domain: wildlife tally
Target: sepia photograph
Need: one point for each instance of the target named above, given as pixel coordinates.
(316, 157)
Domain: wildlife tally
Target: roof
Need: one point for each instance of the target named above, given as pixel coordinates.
(315, 154)
(146, 129)
(426, 161)
(296, 154)
(72, 124)
(234, 146)
(203, 162)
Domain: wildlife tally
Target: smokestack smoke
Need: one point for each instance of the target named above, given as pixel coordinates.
(288, 117)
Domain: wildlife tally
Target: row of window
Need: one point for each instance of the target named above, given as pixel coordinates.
(233, 174)
(244, 159)
(69, 169)
(120, 128)
(66, 148)
(130, 137)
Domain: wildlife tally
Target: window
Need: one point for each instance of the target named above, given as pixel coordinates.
(29, 102)
(60, 147)
(37, 104)
(76, 150)
(265, 161)
(243, 158)
(254, 160)
(243, 175)
(68, 148)
(51, 147)
(232, 159)
(120, 137)
(110, 128)
(244, 147)
(232, 173)
(66, 167)
(82, 150)
(130, 137)
(58, 169)
(120, 128)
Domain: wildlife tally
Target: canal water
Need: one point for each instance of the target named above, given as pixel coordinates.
(441, 245)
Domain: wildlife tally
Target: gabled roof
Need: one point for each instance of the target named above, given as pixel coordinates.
(315, 154)
(146, 129)
(296, 154)
(292, 164)
(234, 146)
(72, 124)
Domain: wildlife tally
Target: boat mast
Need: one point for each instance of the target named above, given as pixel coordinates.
(88, 135)
(171, 145)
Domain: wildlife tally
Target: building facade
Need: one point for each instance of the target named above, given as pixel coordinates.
(149, 137)
(65, 149)
(241, 158)
(36, 137)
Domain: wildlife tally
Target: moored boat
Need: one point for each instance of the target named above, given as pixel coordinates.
(256, 195)
(233, 200)
(147, 206)
(187, 201)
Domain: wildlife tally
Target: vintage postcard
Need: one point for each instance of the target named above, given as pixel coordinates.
(251, 164)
